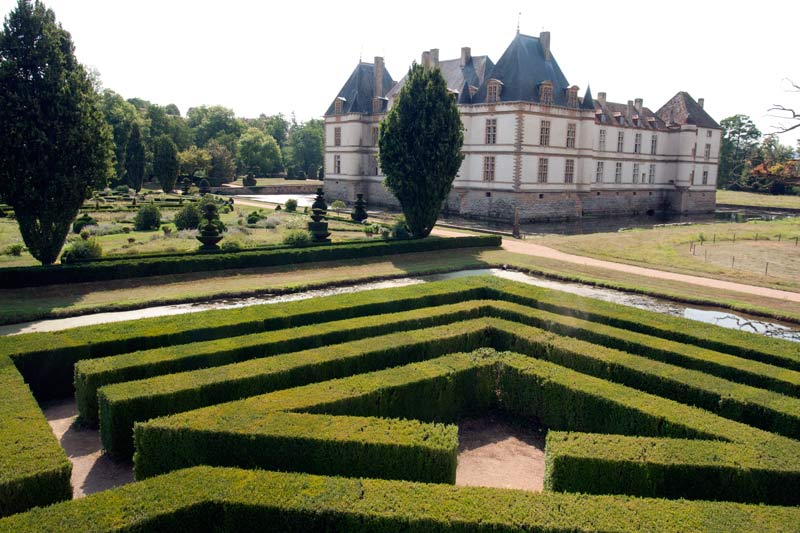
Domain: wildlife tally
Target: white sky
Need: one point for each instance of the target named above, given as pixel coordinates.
(270, 57)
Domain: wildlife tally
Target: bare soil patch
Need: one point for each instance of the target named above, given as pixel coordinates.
(493, 452)
(92, 469)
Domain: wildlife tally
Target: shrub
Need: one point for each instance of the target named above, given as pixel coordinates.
(147, 218)
(400, 229)
(231, 246)
(278, 207)
(272, 222)
(84, 220)
(126, 229)
(291, 205)
(167, 230)
(249, 181)
(122, 189)
(85, 234)
(338, 204)
(253, 218)
(297, 237)
(187, 217)
(15, 249)
(82, 250)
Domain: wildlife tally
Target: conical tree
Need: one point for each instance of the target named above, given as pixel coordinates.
(134, 159)
(165, 162)
(420, 147)
(55, 144)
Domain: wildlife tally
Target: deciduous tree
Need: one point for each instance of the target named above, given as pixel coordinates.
(739, 145)
(223, 165)
(420, 147)
(55, 144)
(306, 148)
(193, 160)
(259, 153)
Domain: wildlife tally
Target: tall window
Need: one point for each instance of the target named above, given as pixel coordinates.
(602, 144)
(492, 92)
(337, 106)
(705, 177)
(600, 168)
(653, 144)
(707, 153)
(652, 176)
(544, 133)
(377, 105)
(571, 128)
(491, 131)
(374, 136)
(637, 143)
(636, 172)
(373, 165)
(543, 164)
(337, 164)
(488, 168)
(620, 141)
(708, 133)
(694, 150)
(618, 173)
(569, 171)
(546, 93)
(337, 136)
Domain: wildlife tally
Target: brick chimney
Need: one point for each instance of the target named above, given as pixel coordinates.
(544, 40)
(466, 55)
(630, 108)
(378, 77)
(426, 59)
(601, 97)
(701, 102)
(435, 57)
(638, 104)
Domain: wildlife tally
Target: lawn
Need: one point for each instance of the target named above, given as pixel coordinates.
(750, 199)
(734, 252)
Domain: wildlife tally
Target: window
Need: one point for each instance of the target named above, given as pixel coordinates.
(491, 131)
(572, 97)
(337, 164)
(571, 128)
(602, 143)
(373, 165)
(652, 176)
(637, 143)
(488, 168)
(653, 144)
(636, 172)
(546, 93)
(600, 168)
(543, 164)
(377, 105)
(708, 133)
(694, 150)
(374, 136)
(337, 136)
(620, 141)
(569, 171)
(705, 177)
(707, 153)
(618, 173)
(493, 92)
(544, 133)
(337, 106)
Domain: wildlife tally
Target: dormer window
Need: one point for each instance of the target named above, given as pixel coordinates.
(572, 96)
(493, 90)
(378, 105)
(338, 105)
(546, 93)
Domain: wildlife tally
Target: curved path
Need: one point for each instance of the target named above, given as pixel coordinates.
(529, 248)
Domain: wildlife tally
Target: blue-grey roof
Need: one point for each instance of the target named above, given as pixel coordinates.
(359, 89)
(521, 69)
(458, 78)
(588, 101)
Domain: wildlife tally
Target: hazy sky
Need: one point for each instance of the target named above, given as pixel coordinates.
(265, 57)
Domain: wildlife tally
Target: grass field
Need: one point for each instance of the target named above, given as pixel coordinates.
(758, 200)
(734, 252)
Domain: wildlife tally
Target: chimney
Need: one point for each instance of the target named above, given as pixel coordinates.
(601, 97)
(435, 57)
(466, 55)
(544, 40)
(426, 59)
(638, 104)
(630, 108)
(378, 77)
(701, 102)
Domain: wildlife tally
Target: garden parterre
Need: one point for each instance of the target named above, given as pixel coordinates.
(644, 412)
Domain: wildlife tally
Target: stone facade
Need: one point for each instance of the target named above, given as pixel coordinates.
(532, 145)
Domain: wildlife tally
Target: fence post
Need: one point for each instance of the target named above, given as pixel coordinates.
(733, 260)
(766, 270)
(715, 239)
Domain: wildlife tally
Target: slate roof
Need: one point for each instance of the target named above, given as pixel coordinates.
(588, 101)
(358, 91)
(457, 77)
(612, 112)
(521, 68)
(683, 109)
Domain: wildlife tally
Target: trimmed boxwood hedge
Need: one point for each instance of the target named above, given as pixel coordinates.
(34, 470)
(204, 498)
(159, 266)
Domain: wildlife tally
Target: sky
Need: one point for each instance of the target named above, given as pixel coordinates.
(283, 57)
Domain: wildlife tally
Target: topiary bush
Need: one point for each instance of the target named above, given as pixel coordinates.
(231, 246)
(82, 249)
(15, 249)
(84, 220)
(291, 205)
(297, 237)
(147, 218)
(187, 217)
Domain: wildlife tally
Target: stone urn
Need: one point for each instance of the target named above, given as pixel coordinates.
(318, 226)
(209, 229)
(359, 213)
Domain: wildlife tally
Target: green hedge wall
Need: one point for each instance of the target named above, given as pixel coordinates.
(665, 468)
(34, 470)
(226, 499)
(159, 266)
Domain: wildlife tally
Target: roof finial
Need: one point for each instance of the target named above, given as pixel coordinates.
(361, 52)
(519, 16)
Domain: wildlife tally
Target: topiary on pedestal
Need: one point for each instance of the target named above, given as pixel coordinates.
(210, 232)
(318, 227)
(359, 213)
(205, 187)
(80, 222)
(186, 184)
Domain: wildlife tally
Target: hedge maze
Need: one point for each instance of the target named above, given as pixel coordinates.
(340, 412)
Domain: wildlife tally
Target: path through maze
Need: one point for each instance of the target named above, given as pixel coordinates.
(340, 413)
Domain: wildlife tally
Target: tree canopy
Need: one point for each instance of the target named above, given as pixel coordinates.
(55, 144)
(135, 158)
(193, 160)
(305, 149)
(420, 147)
(259, 153)
(223, 165)
(739, 144)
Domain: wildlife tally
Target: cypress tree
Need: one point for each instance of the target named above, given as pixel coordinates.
(165, 162)
(134, 159)
(420, 147)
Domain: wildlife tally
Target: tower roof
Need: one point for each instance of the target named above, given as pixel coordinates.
(588, 101)
(683, 109)
(456, 76)
(359, 89)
